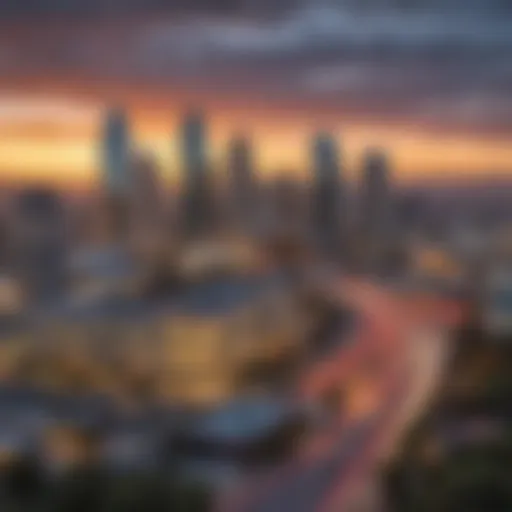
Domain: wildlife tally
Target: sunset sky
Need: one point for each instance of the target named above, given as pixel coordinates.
(431, 83)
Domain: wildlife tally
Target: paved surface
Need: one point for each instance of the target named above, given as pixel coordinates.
(336, 470)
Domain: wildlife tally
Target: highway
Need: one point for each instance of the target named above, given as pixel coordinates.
(336, 469)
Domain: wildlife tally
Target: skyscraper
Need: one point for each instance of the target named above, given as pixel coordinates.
(197, 188)
(288, 203)
(147, 235)
(116, 153)
(375, 194)
(116, 174)
(375, 207)
(40, 244)
(410, 213)
(327, 197)
(145, 196)
(242, 183)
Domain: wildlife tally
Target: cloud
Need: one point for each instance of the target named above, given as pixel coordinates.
(329, 28)
(421, 62)
(20, 109)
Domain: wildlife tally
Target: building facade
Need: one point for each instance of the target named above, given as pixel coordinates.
(242, 183)
(198, 210)
(39, 244)
(199, 350)
(327, 199)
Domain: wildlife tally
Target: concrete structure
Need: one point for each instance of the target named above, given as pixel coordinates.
(148, 229)
(223, 444)
(117, 176)
(286, 207)
(233, 255)
(375, 214)
(145, 192)
(327, 200)
(242, 184)
(39, 244)
(106, 271)
(116, 153)
(197, 187)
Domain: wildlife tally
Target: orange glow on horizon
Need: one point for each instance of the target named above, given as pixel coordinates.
(54, 141)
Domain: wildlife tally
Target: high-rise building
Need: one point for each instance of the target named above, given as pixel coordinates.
(197, 188)
(146, 193)
(410, 213)
(116, 174)
(288, 205)
(375, 208)
(375, 194)
(116, 152)
(327, 194)
(242, 183)
(40, 244)
(148, 237)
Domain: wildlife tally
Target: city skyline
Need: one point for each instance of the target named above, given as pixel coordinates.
(255, 255)
(430, 81)
(66, 152)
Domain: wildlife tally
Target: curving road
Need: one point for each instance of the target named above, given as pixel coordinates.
(337, 468)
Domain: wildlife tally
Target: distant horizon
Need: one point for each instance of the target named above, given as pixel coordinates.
(57, 139)
(431, 84)
(479, 184)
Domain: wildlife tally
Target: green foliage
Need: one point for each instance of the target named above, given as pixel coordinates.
(475, 482)
(89, 489)
(466, 478)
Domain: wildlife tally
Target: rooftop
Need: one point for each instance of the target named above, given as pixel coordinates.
(245, 419)
(219, 296)
(212, 298)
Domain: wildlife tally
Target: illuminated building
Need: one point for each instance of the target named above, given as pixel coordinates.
(233, 255)
(199, 348)
(327, 197)
(236, 326)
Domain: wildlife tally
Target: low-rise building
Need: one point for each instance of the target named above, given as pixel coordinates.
(219, 445)
(191, 349)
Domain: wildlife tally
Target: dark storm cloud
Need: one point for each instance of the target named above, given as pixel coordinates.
(447, 62)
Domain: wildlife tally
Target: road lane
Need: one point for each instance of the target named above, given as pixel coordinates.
(325, 473)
